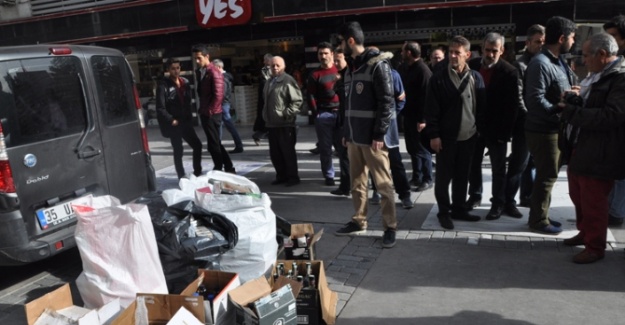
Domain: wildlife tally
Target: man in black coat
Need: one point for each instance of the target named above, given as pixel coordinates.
(415, 76)
(175, 119)
(503, 100)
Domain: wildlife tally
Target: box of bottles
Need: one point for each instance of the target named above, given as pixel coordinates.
(214, 286)
(316, 303)
(160, 309)
(301, 243)
(256, 303)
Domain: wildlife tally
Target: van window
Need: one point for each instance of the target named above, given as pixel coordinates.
(41, 99)
(114, 87)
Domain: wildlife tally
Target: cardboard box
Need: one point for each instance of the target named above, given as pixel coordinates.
(60, 301)
(162, 308)
(310, 302)
(255, 303)
(222, 283)
(307, 253)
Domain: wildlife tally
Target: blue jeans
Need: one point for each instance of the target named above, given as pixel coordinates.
(327, 130)
(226, 120)
(617, 199)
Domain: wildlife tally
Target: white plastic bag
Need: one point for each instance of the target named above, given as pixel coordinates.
(118, 251)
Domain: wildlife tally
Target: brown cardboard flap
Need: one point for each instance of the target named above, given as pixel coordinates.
(250, 291)
(296, 287)
(300, 229)
(161, 308)
(55, 300)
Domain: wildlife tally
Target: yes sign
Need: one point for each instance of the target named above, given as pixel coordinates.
(217, 13)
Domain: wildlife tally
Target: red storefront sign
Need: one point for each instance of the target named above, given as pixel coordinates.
(218, 13)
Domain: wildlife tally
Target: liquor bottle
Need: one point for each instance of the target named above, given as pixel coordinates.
(275, 276)
(290, 275)
(280, 269)
(300, 279)
(312, 282)
(201, 291)
(308, 274)
(294, 268)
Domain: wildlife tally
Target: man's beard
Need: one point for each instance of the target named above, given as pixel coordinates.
(348, 51)
(564, 49)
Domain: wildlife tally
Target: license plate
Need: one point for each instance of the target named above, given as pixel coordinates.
(56, 215)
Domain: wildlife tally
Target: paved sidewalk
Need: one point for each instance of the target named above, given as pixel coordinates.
(429, 277)
(446, 277)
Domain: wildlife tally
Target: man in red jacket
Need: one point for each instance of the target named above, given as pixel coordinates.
(210, 90)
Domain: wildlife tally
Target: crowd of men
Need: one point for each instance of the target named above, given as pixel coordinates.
(531, 116)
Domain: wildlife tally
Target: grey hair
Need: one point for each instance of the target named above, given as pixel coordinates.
(218, 63)
(603, 41)
(492, 38)
(462, 41)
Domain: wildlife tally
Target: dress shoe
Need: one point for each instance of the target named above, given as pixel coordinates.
(574, 241)
(495, 212)
(586, 257)
(339, 192)
(473, 202)
(445, 221)
(292, 182)
(465, 217)
(614, 221)
(236, 150)
(512, 211)
(231, 171)
(314, 151)
(330, 181)
(547, 230)
(278, 181)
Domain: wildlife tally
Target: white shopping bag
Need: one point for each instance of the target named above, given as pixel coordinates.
(118, 251)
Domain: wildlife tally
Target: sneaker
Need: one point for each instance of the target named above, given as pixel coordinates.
(555, 223)
(236, 150)
(388, 239)
(495, 212)
(231, 171)
(473, 202)
(330, 181)
(257, 141)
(424, 186)
(512, 211)
(376, 198)
(339, 192)
(314, 151)
(586, 257)
(350, 228)
(548, 230)
(407, 203)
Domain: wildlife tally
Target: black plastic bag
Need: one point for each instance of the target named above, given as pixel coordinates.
(181, 251)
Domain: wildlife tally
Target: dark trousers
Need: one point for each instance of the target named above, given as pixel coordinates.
(590, 197)
(341, 151)
(519, 158)
(226, 119)
(184, 131)
(544, 149)
(282, 152)
(398, 173)
(527, 180)
(453, 163)
(211, 125)
(497, 153)
(420, 156)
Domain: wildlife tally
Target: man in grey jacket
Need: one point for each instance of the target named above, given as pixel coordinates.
(283, 99)
(547, 77)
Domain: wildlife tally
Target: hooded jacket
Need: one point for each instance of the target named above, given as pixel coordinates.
(370, 105)
(600, 148)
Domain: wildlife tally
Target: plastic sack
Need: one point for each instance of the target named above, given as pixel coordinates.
(183, 249)
(118, 251)
(189, 186)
